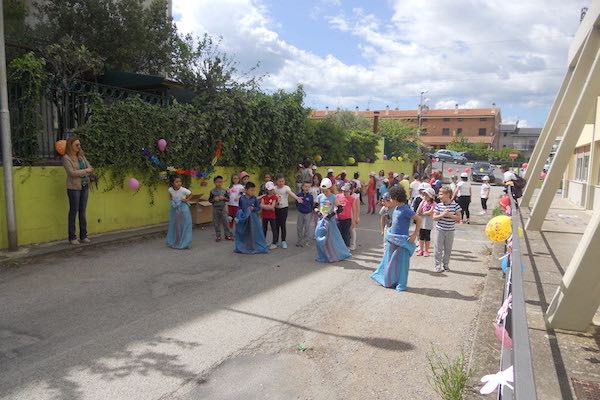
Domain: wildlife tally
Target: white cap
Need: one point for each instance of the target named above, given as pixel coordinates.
(347, 187)
(430, 192)
(330, 170)
(326, 183)
(314, 167)
(424, 185)
(269, 185)
(372, 173)
(464, 175)
(396, 175)
(386, 180)
(486, 178)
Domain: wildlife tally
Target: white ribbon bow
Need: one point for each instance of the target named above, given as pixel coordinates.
(501, 379)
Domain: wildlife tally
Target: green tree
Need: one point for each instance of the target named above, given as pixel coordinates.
(361, 144)
(128, 34)
(401, 139)
(327, 140)
(347, 120)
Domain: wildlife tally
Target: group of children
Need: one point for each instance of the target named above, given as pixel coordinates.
(329, 212)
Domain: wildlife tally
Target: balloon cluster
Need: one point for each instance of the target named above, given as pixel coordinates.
(499, 228)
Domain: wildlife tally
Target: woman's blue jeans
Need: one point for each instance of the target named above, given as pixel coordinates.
(77, 204)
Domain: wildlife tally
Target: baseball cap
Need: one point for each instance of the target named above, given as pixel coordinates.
(464, 175)
(326, 183)
(372, 173)
(424, 185)
(430, 192)
(396, 174)
(347, 187)
(244, 174)
(486, 178)
(314, 167)
(269, 185)
(330, 170)
(386, 196)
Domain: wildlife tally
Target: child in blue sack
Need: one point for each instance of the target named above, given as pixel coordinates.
(329, 242)
(393, 269)
(179, 233)
(249, 236)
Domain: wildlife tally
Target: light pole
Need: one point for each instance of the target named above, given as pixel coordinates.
(9, 197)
(421, 111)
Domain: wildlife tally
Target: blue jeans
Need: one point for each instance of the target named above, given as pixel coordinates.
(77, 204)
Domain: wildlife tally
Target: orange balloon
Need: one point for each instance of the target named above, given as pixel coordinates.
(60, 147)
(505, 201)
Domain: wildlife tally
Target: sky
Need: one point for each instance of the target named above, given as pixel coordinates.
(378, 53)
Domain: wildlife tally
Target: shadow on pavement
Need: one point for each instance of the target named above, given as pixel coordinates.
(441, 293)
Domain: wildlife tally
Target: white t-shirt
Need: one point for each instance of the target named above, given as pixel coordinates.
(315, 191)
(357, 183)
(235, 192)
(509, 176)
(178, 195)
(282, 196)
(463, 188)
(485, 190)
(414, 189)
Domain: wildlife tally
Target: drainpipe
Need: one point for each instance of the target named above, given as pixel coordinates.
(11, 224)
(375, 122)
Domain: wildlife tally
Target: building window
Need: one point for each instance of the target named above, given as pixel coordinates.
(423, 119)
(461, 119)
(446, 119)
(483, 119)
(482, 131)
(582, 167)
(446, 132)
(459, 131)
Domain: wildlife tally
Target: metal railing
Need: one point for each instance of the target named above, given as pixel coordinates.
(519, 356)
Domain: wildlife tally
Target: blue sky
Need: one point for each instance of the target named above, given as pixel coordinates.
(348, 53)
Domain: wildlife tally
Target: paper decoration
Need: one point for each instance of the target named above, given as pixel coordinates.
(500, 379)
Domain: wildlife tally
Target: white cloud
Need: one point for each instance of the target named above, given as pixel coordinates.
(452, 103)
(474, 54)
(513, 120)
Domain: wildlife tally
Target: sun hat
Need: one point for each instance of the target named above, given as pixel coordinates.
(244, 174)
(269, 185)
(330, 170)
(430, 192)
(424, 185)
(486, 178)
(464, 175)
(347, 187)
(326, 183)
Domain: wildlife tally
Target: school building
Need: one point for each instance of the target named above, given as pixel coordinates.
(439, 127)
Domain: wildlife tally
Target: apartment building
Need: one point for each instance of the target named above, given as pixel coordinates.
(521, 139)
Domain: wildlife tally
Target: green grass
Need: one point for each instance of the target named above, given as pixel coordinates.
(448, 378)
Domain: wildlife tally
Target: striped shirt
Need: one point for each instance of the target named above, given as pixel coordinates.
(446, 223)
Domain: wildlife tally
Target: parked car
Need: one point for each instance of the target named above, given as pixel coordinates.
(481, 169)
(472, 157)
(450, 156)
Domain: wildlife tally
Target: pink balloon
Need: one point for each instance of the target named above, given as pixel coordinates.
(134, 184)
(450, 170)
(468, 170)
(542, 175)
(385, 157)
(162, 144)
(437, 160)
(525, 165)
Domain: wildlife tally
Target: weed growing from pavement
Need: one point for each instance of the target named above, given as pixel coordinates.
(448, 377)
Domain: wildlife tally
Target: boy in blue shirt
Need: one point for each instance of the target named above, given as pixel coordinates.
(305, 209)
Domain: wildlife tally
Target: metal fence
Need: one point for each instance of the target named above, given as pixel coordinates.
(56, 122)
(519, 355)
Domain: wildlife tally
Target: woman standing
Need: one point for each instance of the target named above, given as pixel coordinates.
(463, 197)
(380, 177)
(78, 179)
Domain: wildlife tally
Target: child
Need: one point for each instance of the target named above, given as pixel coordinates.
(383, 189)
(485, 194)
(282, 191)
(179, 234)
(355, 220)
(305, 209)
(218, 198)
(425, 210)
(330, 245)
(268, 203)
(357, 186)
(344, 218)
(463, 197)
(235, 191)
(249, 237)
(263, 189)
(453, 183)
(371, 193)
(244, 178)
(380, 177)
(446, 214)
(386, 213)
(414, 188)
(315, 190)
(393, 269)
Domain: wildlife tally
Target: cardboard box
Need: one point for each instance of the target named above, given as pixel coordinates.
(201, 210)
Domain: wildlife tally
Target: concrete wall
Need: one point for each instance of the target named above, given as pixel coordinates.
(576, 192)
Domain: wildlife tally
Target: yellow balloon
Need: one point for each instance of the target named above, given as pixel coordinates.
(351, 161)
(520, 231)
(318, 158)
(400, 158)
(422, 161)
(499, 228)
(394, 158)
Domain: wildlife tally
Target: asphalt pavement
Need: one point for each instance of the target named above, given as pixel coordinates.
(136, 320)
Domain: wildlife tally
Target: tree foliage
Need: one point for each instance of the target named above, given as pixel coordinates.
(481, 151)
(401, 139)
(128, 34)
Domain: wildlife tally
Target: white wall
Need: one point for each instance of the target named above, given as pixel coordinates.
(576, 192)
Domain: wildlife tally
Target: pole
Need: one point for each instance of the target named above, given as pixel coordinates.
(11, 223)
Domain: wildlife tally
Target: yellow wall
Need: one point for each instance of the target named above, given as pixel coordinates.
(586, 136)
(42, 204)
